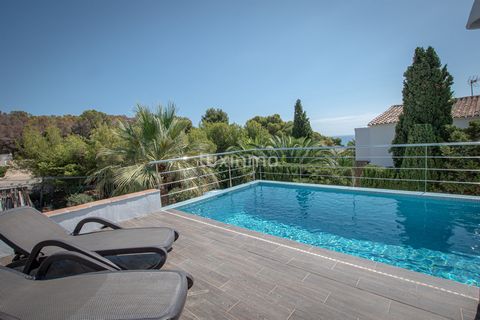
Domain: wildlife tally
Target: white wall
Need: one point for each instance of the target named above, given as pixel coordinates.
(383, 135)
(374, 135)
(362, 139)
(463, 122)
(5, 159)
(116, 209)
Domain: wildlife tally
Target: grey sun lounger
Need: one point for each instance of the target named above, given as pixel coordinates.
(28, 232)
(108, 294)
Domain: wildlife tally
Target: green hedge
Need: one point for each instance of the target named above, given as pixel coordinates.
(3, 170)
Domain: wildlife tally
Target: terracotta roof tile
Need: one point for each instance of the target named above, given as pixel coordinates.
(465, 107)
(389, 116)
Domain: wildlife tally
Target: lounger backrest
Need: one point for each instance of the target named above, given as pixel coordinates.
(22, 228)
(12, 283)
(96, 295)
(10, 278)
(24, 298)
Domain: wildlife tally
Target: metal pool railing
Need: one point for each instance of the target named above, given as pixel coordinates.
(430, 167)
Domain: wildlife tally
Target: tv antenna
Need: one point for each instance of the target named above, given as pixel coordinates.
(473, 81)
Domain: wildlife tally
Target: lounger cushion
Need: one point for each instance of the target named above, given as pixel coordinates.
(23, 228)
(100, 295)
(125, 238)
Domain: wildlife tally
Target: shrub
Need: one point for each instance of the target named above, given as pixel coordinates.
(379, 177)
(178, 196)
(78, 199)
(3, 170)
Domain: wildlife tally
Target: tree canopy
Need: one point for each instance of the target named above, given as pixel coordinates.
(301, 123)
(273, 124)
(50, 154)
(155, 135)
(224, 135)
(427, 99)
(213, 115)
(13, 124)
(89, 120)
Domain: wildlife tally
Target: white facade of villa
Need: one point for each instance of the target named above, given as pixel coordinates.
(381, 130)
(5, 159)
(474, 19)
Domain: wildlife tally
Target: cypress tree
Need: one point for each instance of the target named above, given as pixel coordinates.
(427, 99)
(301, 123)
(420, 133)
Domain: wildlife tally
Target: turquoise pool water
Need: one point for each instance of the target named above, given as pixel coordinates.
(436, 236)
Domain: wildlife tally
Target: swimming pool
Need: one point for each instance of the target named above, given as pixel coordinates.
(436, 236)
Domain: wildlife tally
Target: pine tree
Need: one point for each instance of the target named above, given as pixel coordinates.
(301, 123)
(427, 99)
(213, 115)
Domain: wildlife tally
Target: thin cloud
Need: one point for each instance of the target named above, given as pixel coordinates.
(342, 125)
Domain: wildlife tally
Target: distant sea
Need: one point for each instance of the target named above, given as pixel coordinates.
(345, 139)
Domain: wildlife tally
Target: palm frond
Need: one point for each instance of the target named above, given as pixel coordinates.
(153, 136)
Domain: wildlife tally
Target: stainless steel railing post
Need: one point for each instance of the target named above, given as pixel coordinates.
(230, 175)
(159, 182)
(425, 176)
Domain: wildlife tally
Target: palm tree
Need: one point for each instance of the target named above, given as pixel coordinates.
(152, 136)
(286, 158)
(297, 157)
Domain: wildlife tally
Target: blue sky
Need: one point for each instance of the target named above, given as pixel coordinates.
(344, 59)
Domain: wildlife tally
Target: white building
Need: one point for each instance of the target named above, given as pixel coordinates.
(5, 159)
(474, 19)
(381, 130)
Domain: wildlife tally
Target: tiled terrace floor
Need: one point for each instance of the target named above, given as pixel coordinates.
(241, 274)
